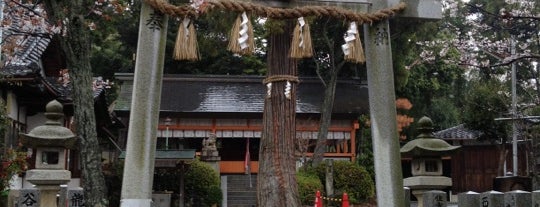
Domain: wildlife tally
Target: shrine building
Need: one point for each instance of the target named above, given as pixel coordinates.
(231, 107)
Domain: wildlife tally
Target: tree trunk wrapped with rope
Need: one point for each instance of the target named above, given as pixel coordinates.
(276, 182)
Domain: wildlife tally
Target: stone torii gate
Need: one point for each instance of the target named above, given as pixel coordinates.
(144, 114)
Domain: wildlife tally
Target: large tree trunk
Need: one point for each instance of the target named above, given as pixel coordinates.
(76, 46)
(276, 184)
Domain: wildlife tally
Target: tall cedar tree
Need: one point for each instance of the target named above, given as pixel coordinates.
(276, 182)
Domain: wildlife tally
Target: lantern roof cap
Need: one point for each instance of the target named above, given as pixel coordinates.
(52, 133)
(426, 145)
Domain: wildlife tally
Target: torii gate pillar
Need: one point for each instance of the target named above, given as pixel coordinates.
(144, 115)
(388, 172)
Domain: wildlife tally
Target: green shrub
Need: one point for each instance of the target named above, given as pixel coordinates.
(202, 184)
(214, 195)
(349, 178)
(308, 185)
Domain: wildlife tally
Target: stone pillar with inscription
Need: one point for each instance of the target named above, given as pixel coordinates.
(388, 173)
(492, 199)
(469, 199)
(434, 198)
(144, 111)
(28, 198)
(75, 197)
(517, 198)
(388, 176)
(535, 196)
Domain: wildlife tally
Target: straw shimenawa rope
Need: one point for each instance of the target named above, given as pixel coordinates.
(301, 44)
(185, 47)
(236, 45)
(277, 13)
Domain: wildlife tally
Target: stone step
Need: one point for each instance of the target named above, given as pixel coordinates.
(241, 198)
(241, 204)
(239, 192)
(241, 183)
(242, 193)
(241, 177)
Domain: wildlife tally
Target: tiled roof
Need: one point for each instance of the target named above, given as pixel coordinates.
(31, 51)
(242, 94)
(20, 70)
(458, 132)
(31, 43)
(64, 89)
(25, 61)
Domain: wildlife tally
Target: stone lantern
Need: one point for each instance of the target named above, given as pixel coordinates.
(51, 142)
(426, 165)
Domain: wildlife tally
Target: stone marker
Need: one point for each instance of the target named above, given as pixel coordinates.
(63, 196)
(28, 198)
(161, 200)
(535, 198)
(75, 197)
(434, 198)
(329, 181)
(469, 199)
(407, 192)
(13, 197)
(517, 198)
(491, 199)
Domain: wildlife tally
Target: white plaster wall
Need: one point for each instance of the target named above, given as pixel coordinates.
(11, 105)
(34, 121)
(15, 111)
